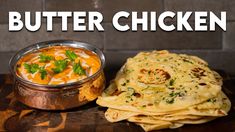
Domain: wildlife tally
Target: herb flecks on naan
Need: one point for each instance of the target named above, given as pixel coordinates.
(169, 85)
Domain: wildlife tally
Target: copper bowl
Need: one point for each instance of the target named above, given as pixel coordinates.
(63, 96)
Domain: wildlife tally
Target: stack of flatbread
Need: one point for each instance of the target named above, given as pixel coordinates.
(158, 90)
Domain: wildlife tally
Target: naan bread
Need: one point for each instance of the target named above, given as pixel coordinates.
(114, 115)
(150, 127)
(164, 82)
(197, 121)
(160, 90)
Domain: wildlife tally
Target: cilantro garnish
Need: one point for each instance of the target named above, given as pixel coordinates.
(31, 68)
(43, 72)
(71, 55)
(45, 58)
(60, 65)
(77, 68)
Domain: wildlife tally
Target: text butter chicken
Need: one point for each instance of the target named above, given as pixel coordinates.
(58, 65)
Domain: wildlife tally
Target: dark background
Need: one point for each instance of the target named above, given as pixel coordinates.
(217, 47)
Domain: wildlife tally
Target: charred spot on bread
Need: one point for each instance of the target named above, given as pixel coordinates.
(157, 76)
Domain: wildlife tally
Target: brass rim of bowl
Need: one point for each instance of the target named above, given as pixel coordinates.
(70, 43)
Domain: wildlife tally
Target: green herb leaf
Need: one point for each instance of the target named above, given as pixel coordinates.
(213, 100)
(45, 58)
(124, 84)
(130, 91)
(77, 68)
(27, 67)
(71, 55)
(188, 61)
(43, 72)
(170, 101)
(172, 94)
(60, 66)
(172, 81)
(177, 94)
(31, 68)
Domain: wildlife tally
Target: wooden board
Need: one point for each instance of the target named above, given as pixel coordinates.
(15, 116)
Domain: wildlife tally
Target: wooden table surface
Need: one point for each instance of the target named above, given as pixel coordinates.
(15, 116)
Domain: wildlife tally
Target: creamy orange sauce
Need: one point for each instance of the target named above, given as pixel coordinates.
(89, 62)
